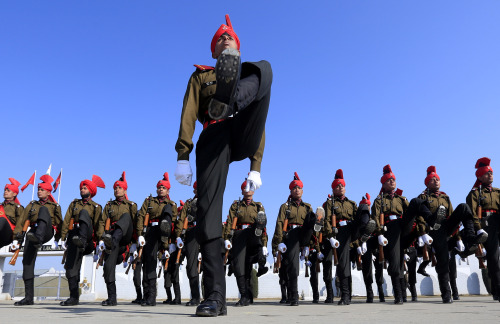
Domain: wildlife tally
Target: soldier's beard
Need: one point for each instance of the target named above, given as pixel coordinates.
(85, 196)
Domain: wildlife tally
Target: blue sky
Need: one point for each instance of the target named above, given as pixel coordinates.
(96, 87)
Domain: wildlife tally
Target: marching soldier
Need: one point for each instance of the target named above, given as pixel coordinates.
(485, 198)
(121, 214)
(312, 262)
(44, 216)
(83, 216)
(186, 241)
(154, 235)
(10, 211)
(442, 225)
(249, 239)
(212, 96)
(301, 221)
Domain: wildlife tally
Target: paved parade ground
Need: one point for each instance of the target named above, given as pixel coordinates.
(471, 309)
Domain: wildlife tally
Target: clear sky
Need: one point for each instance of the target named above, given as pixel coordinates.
(96, 87)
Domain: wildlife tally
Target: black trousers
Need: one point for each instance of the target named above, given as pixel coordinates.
(74, 255)
(122, 235)
(344, 236)
(44, 232)
(313, 275)
(5, 232)
(245, 251)
(412, 266)
(367, 261)
(191, 250)
(171, 276)
(220, 144)
(153, 239)
(492, 253)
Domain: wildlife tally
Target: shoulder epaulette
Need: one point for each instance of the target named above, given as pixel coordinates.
(203, 67)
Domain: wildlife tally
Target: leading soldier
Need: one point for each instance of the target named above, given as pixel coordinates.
(212, 96)
(121, 213)
(45, 218)
(82, 217)
(10, 211)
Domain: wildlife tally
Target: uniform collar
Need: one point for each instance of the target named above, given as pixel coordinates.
(11, 202)
(340, 198)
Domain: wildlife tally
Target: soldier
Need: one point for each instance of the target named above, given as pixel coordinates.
(442, 225)
(301, 222)
(212, 96)
(160, 212)
(186, 241)
(121, 213)
(485, 198)
(249, 239)
(10, 211)
(44, 216)
(83, 216)
(313, 263)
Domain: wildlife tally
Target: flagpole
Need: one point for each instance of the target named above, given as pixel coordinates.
(59, 194)
(34, 183)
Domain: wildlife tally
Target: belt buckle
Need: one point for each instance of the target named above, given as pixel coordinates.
(393, 217)
(154, 224)
(244, 227)
(343, 223)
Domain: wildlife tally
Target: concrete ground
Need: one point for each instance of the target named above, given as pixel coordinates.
(470, 309)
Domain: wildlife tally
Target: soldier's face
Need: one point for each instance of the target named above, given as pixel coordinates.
(8, 194)
(119, 192)
(487, 178)
(162, 191)
(297, 192)
(339, 190)
(42, 194)
(84, 191)
(247, 195)
(434, 184)
(389, 185)
(225, 41)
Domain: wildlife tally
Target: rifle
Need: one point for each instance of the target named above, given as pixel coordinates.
(318, 268)
(161, 266)
(381, 257)
(233, 227)
(307, 267)
(70, 228)
(479, 251)
(334, 232)
(277, 264)
(106, 229)
(25, 228)
(199, 265)
(144, 230)
(183, 233)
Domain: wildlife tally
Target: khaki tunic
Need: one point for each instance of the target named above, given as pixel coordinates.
(200, 89)
(490, 201)
(343, 208)
(155, 210)
(74, 209)
(34, 208)
(396, 205)
(115, 210)
(247, 214)
(13, 211)
(297, 215)
(434, 200)
(179, 223)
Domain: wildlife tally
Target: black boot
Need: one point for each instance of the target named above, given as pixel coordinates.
(73, 293)
(329, 293)
(381, 296)
(242, 287)
(396, 286)
(421, 268)
(29, 293)
(195, 292)
(454, 289)
(150, 299)
(169, 296)
(444, 286)
(138, 300)
(369, 294)
(177, 293)
(413, 291)
(283, 294)
(37, 242)
(404, 294)
(295, 298)
(111, 301)
(345, 292)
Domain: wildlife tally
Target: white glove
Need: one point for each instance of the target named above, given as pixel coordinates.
(101, 246)
(97, 254)
(420, 241)
(133, 251)
(264, 251)
(427, 239)
(227, 245)
(141, 240)
(131, 259)
(308, 264)
(171, 248)
(15, 245)
(305, 251)
(407, 257)
(360, 250)
(183, 173)
(364, 248)
(481, 231)
(180, 244)
(282, 247)
(253, 181)
(166, 255)
(320, 256)
(199, 256)
(382, 240)
(64, 245)
(125, 264)
(55, 245)
(484, 252)
(334, 243)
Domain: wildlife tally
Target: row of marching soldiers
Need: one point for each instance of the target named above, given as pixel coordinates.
(119, 233)
(388, 236)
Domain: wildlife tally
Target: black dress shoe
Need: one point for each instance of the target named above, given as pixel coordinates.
(33, 239)
(167, 301)
(294, 303)
(329, 301)
(70, 302)
(283, 301)
(343, 302)
(261, 271)
(423, 272)
(137, 301)
(109, 302)
(315, 301)
(175, 302)
(148, 303)
(244, 301)
(456, 297)
(447, 301)
(211, 308)
(24, 302)
(193, 302)
(398, 301)
(108, 242)
(78, 241)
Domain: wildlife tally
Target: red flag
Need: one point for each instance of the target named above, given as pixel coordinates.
(31, 181)
(58, 182)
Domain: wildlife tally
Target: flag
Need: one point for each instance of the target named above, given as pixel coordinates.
(49, 169)
(31, 181)
(58, 181)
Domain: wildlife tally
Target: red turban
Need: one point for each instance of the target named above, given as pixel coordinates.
(165, 182)
(92, 185)
(482, 166)
(387, 174)
(296, 182)
(180, 206)
(339, 178)
(13, 186)
(431, 173)
(228, 28)
(195, 185)
(46, 185)
(244, 185)
(366, 200)
(122, 182)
